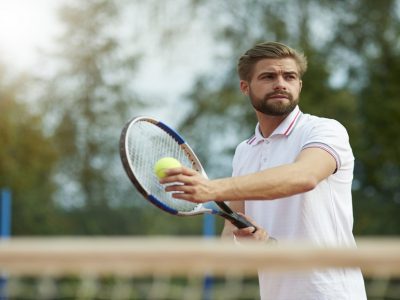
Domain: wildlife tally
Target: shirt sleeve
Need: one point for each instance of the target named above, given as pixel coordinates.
(332, 137)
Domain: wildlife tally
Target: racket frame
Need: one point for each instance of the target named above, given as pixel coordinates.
(211, 207)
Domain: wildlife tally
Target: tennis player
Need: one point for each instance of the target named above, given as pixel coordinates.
(293, 177)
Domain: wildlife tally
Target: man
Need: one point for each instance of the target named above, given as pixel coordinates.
(292, 177)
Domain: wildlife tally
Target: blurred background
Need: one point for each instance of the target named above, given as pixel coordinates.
(72, 73)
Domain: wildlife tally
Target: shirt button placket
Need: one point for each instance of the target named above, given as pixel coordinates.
(264, 155)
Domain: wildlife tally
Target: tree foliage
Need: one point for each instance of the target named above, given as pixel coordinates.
(378, 93)
(27, 160)
(371, 31)
(89, 101)
(86, 101)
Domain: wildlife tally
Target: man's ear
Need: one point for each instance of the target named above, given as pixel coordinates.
(244, 87)
(301, 84)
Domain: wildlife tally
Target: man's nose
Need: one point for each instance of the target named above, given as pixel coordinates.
(279, 84)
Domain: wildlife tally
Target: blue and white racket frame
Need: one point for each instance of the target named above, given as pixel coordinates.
(212, 207)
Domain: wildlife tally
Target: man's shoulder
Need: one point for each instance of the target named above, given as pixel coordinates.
(245, 143)
(309, 121)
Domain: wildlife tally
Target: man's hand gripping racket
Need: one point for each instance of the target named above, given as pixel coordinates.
(143, 142)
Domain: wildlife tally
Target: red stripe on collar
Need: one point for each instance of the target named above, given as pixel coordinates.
(251, 140)
(292, 124)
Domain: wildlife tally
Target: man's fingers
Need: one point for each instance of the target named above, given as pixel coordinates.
(181, 174)
(181, 170)
(250, 219)
(248, 231)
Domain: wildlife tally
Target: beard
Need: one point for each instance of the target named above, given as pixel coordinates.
(273, 108)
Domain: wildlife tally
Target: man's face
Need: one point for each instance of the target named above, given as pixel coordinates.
(275, 86)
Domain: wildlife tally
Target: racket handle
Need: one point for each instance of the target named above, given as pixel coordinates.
(240, 222)
(236, 219)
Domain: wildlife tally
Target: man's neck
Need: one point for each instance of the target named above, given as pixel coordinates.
(268, 124)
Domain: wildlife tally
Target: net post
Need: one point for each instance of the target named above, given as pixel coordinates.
(208, 225)
(5, 231)
(208, 232)
(5, 214)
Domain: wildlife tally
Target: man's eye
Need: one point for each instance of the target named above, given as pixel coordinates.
(291, 77)
(269, 76)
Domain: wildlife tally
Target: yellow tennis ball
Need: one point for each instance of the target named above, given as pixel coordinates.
(165, 163)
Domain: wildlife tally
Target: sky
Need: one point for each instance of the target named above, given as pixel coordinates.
(25, 27)
(30, 26)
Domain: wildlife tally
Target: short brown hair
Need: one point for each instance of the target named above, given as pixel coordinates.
(268, 50)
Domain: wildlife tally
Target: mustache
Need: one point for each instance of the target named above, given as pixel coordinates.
(272, 94)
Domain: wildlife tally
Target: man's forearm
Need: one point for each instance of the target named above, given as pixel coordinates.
(269, 184)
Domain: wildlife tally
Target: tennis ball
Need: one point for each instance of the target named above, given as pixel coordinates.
(165, 163)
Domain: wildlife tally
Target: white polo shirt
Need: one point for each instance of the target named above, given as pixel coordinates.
(323, 216)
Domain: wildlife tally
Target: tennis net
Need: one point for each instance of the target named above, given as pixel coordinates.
(176, 268)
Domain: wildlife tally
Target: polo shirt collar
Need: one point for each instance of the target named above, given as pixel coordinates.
(285, 128)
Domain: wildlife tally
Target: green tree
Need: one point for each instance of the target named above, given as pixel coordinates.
(87, 102)
(369, 31)
(27, 161)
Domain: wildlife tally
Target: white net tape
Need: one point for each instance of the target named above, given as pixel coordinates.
(166, 268)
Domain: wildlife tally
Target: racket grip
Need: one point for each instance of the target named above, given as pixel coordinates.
(240, 222)
(233, 217)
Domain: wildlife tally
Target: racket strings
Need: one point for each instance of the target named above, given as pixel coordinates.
(147, 143)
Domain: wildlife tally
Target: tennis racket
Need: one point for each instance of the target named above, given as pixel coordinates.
(143, 142)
